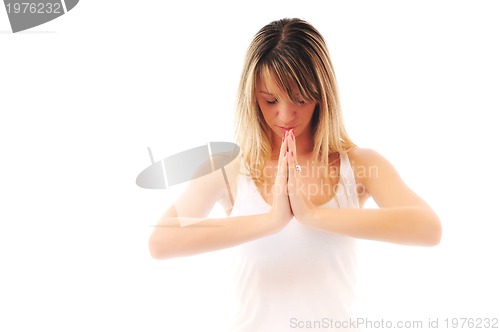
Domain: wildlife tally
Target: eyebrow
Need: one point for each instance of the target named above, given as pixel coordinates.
(267, 93)
(272, 94)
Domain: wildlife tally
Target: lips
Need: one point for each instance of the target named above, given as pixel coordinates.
(285, 129)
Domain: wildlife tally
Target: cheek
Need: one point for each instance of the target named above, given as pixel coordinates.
(308, 112)
(266, 112)
(265, 109)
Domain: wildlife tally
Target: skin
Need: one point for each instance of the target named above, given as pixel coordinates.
(403, 217)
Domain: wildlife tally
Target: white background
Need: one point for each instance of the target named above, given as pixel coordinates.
(83, 96)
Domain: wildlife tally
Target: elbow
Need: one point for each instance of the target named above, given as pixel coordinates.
(425, 229)
(154, 249)
(433, 236)
(158, 249)
(436, 234)
(433, 231)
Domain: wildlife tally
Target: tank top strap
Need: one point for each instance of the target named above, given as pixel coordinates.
(348, 181)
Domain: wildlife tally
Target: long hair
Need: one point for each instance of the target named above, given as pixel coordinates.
(295, 55)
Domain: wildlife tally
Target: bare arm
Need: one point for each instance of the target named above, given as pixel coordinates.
(411, 225)
(403, 216)
(169, 239)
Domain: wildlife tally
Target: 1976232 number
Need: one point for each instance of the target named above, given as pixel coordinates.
(473, 323)
(34, 8)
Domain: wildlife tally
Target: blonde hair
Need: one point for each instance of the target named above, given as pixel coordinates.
(295, 55)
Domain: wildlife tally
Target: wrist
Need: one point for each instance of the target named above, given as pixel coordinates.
(309, 215)
(276, 221)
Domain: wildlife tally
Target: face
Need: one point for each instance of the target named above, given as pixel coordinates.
(281, 114)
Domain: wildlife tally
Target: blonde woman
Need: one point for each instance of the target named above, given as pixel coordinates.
(298, 187)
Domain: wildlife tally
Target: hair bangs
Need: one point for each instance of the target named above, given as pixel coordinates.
(292, 77)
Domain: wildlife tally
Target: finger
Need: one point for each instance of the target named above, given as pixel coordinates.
(282, 160)
(292, 159)
(292, 172)
(284, 145)
(292, 148)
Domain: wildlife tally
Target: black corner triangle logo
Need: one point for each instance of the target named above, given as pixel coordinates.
(26, 14)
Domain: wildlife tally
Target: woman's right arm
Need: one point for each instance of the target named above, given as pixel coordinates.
(169, 239)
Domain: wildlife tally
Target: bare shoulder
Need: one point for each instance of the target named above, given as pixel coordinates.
(233, 170)
(366, 163)
(203, 192)
(364, 156)
(379, 179)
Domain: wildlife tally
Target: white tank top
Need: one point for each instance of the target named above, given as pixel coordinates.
(299, 278)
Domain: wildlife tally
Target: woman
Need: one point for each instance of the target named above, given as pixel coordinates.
(298, 186)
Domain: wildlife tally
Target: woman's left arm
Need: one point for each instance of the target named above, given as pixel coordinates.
(403, 217)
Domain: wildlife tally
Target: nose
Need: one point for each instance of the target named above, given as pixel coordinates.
(286, 112)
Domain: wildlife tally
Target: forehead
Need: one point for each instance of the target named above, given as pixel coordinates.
(267, 82)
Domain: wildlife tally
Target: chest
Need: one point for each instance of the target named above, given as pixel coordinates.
(318, 184)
